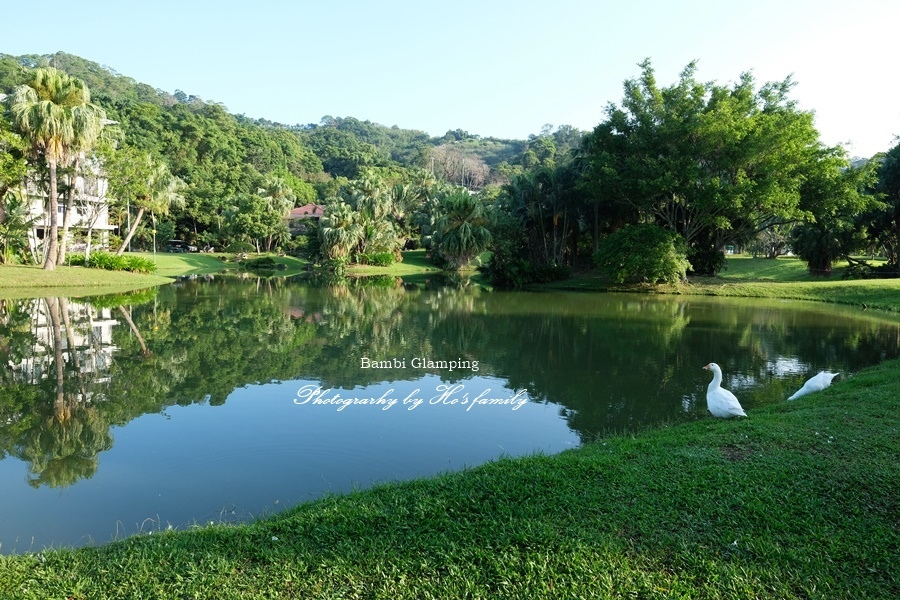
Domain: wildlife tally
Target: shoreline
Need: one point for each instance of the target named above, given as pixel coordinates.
(797, 501)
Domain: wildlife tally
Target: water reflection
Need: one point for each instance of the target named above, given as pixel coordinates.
(74, 371)
(58, 354)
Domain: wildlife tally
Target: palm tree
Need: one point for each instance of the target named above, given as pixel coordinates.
(460, 233)
(53, 112)
(15, 227)
(340, 230)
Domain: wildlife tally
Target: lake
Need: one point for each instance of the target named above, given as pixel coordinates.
(224, 399)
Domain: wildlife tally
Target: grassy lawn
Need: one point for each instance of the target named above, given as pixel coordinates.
(747, 277)
(800, 500)
(19, 281)
(785, 268)
(26, 281)
(183, 263)
(414, 263)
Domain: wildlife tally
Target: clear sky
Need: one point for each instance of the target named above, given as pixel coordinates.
(491, 67)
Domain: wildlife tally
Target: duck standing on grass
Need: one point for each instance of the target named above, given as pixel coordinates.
(720, 402)
(817, 383)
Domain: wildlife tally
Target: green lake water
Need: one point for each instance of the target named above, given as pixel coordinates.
(226, 399)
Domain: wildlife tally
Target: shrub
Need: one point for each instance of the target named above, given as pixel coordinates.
(111, 262)
(861, 270)
(240, 247)
(707, 261)
(139, 264)
(377, 259)
(644, 252)
(262, 263)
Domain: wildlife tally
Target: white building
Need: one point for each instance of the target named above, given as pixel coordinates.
(90, 211)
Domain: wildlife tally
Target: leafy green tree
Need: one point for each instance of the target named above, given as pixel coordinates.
(884, 225)
(509, 266)
(710, 162)
(53, 112)
(258, 220)
(138, 178)
(546, 200)
(644, 252)
(834, 194)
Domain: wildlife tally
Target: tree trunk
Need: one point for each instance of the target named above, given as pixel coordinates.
(67, 215)
(87, 246)
(144, 350)
(134, 226)
(59, 405)
(51, 241)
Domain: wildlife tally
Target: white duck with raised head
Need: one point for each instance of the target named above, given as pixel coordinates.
(816, 383)
(720, 402)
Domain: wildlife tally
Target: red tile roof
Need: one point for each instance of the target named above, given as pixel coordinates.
(307, 211)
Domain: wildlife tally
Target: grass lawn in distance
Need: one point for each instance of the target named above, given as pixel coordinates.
(746, 277)
(414, 263)
(170, 264)
(196, 263)
(28, 281)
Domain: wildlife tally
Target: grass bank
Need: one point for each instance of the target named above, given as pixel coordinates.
(762, 278)
(28, 281)
(801, 500)
(180, 264)
(414, 263)
(19, 281)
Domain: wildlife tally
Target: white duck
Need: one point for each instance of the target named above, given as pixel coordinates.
(720, 402)
(817, 383)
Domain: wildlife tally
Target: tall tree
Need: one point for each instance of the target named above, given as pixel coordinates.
(138, 178)
(461, 231)
(710, 162)
(885, 224)
(54, 114)
(833, 194)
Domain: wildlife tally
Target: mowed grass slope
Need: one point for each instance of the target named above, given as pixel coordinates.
(20, 281)
(748, 277)
(25, 281)
(800, 500)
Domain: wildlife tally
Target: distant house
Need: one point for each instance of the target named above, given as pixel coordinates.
(307, 211)
(302, 215)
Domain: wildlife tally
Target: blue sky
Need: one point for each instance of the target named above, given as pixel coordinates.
(494, 68)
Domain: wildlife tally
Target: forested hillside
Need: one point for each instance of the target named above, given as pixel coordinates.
(670, 178)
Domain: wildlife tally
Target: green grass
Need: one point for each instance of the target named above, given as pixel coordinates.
(184, 263)
(414, 263)
(800, 500)
(18, 281)
(745, 277)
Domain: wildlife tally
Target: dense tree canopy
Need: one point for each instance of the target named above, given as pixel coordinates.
(715, 164)
(710, 162)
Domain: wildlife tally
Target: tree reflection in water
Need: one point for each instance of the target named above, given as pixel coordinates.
(74, 368)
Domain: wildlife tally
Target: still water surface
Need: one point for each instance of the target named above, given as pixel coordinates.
(197, 402)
